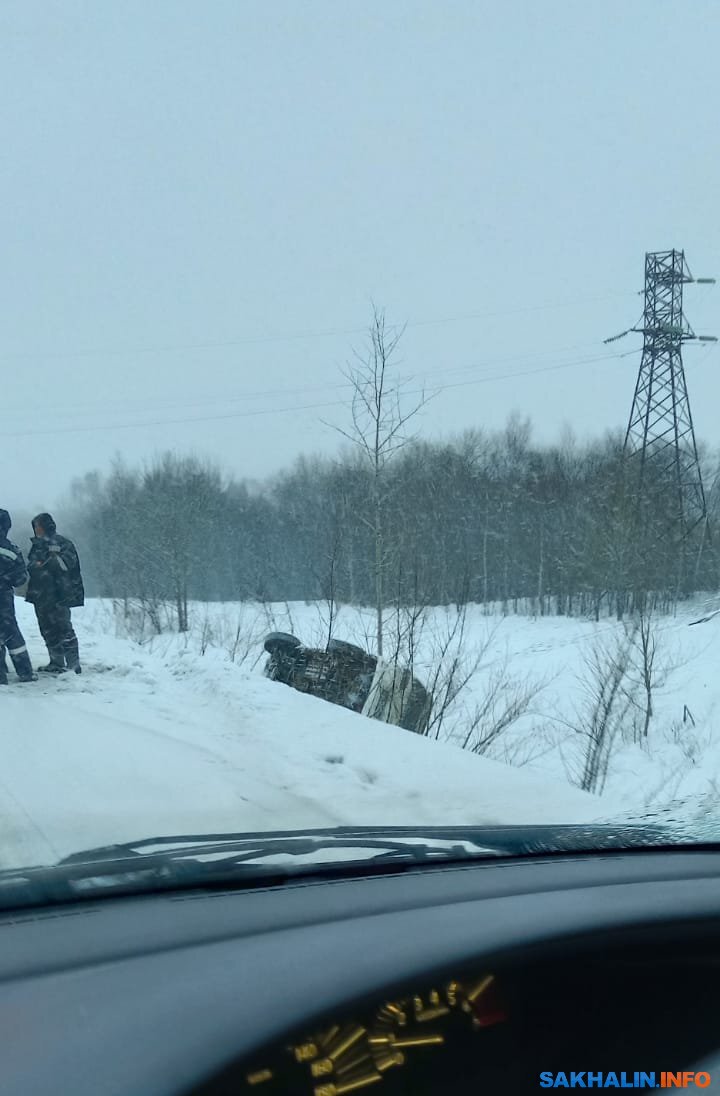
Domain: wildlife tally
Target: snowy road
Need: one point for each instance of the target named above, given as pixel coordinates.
(158, 742)
(82, 765)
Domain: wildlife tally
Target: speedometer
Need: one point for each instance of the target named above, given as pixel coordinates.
(349, 1056)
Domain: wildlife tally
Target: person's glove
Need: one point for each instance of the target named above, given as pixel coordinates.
(56, 558)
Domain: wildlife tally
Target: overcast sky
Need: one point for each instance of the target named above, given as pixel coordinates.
(200, 199)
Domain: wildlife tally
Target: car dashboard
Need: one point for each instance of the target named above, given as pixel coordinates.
(488, 976)
(486, 1032)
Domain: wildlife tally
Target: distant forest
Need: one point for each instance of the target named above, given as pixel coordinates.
(481, 518)
(397, 520)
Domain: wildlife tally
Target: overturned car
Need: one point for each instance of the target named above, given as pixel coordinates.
(347, 675)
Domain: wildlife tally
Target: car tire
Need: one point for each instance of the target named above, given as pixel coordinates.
(281, 643)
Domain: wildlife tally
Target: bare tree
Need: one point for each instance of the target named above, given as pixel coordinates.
(379, 430)
(452, 672)
(609, 697)
(651, 668)
(505, 700)
(646, 644)
(241, 637)
(180, 493)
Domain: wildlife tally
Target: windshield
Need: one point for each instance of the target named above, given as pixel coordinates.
(360, 495)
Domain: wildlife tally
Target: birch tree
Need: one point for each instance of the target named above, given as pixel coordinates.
(380, 417)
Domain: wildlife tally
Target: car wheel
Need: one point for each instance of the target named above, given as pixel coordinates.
(281, 643)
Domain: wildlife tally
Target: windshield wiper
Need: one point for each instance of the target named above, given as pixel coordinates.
(209, 860)
(412, 842)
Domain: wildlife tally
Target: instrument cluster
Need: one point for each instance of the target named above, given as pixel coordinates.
(383, 1048)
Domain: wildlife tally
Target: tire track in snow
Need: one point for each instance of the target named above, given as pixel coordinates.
(23, 842)
(90, 776)
(276, 799)
(279, 801)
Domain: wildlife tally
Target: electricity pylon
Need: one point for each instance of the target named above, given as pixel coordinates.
(660, 450)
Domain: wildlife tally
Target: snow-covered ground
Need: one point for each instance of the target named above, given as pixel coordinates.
(184, 735)
(674, 770)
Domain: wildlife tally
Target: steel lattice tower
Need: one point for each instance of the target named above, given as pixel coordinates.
(662, 498)
(660, 428)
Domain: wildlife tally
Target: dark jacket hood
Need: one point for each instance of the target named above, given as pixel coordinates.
(47, 523)
(5, 523)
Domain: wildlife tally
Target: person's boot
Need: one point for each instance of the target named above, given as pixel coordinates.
(23, 666)
(56, 665)
(72, 657)
(3, 671)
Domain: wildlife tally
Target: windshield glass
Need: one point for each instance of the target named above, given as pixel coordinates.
(360, 449)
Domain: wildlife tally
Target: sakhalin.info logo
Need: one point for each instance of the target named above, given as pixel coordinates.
(653, 1079)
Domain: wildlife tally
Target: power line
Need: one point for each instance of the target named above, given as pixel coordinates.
(300, 390)
(544, 369)
(293, 336)
(304, 407)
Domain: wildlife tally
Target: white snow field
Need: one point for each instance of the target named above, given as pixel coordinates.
(183, 734)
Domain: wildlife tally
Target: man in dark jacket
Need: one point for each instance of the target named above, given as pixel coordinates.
(13, 573)
(55, 587)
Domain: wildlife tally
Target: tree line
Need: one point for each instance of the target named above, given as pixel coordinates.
(481, 518)
(395, 520)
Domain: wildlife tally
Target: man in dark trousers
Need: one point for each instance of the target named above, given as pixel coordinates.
(13, 573)
(55, 587)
